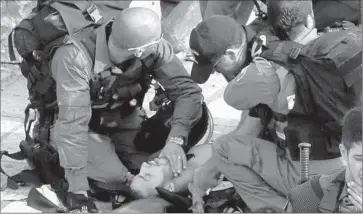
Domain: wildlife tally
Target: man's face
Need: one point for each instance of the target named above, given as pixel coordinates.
(230, 62)
(152, 174)
(353, 162)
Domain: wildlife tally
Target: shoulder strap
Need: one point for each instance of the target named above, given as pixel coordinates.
(87, 8)
(283, 51)
(11, 46)
(314, 181)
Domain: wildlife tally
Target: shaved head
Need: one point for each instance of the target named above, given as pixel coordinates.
(135, 27)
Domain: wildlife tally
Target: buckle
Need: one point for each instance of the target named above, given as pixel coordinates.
(94, 13)
(294, 53)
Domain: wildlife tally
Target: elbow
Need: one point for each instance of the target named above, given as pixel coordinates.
(231, 100)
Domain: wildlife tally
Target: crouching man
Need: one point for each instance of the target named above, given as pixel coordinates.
(341, 190)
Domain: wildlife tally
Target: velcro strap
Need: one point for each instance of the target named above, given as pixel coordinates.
(295, 52)
(11, 46)
(87, 8)
(283, 51)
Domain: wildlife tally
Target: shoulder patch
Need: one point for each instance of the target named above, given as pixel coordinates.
(290, 101)
(257, 45)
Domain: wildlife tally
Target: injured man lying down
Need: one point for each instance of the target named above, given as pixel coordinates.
(158, 173)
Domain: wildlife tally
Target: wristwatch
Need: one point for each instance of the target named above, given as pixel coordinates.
(177, 140)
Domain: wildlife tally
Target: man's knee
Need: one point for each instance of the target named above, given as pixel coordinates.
(225, 143)
(226, 146)
(243, 150)
(220, 146)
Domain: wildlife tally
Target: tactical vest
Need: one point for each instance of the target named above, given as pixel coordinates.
(322, 79)
(113, 91)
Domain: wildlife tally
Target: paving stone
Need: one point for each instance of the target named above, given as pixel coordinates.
(9, 124)
(14, 98)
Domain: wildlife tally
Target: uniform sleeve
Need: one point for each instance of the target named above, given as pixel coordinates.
(256, 83)
(71, 71)
(181, 89)
(353, 81)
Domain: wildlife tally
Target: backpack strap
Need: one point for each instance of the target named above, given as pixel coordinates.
(11, 46)
(88, 9)
(283, 51)
(314, 181)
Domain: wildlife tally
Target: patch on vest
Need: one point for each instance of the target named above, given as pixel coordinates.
(290, 101)
(257, 45)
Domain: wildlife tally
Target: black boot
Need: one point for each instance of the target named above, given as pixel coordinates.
(80, 203)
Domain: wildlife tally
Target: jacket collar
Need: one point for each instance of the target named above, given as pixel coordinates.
(336, 182)
(102, 56)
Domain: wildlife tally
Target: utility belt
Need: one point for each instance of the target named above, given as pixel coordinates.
(276, 129)
(104, 95)
(289, 132)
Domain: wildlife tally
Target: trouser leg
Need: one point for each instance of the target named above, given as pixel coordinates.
(103, 162)
(260, 176)
(255, 170)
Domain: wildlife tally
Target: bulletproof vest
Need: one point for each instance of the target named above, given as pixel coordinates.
(324, 70)
(111, 91)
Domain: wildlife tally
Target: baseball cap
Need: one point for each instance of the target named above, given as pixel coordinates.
(209, 40)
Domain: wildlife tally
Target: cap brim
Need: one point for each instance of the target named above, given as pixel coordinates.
(201, 72)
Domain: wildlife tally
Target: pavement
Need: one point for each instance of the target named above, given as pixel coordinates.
(14, 100)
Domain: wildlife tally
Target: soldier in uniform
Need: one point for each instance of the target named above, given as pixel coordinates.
(248, 162)
(92, 70)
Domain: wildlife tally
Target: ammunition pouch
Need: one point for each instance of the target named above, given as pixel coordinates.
(160, 100)
(112, 91)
